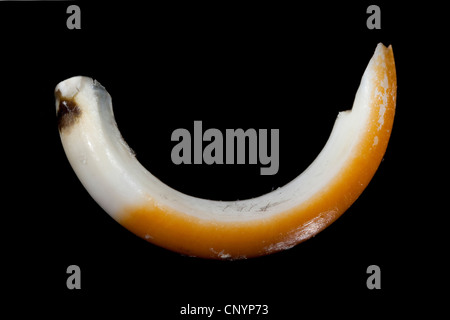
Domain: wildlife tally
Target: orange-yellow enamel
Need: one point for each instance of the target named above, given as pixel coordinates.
(193, 236)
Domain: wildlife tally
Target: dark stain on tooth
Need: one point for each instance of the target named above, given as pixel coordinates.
(68, 111)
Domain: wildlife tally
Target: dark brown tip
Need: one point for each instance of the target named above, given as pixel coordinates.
(68, 112)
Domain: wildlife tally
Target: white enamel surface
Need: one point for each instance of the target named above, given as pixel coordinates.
(115, 179)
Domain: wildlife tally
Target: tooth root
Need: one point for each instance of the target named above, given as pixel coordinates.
(68, 112)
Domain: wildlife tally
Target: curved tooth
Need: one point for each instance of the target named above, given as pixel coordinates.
(272, 222)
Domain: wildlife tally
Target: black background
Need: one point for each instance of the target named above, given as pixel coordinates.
(262, 65)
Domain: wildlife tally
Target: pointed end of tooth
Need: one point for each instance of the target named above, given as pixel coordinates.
(381, 50)
(381, 47)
